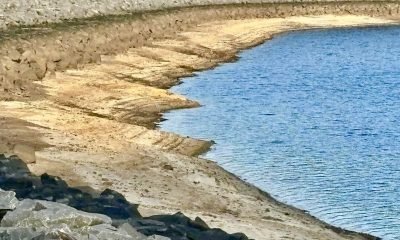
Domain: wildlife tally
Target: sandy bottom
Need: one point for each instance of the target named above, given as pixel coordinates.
(96, 128)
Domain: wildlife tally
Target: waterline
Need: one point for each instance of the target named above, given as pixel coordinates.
(312, 118)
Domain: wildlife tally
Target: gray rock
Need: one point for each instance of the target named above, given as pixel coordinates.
(33, 213)
(106, 232)
(8, 201)
(42, 220)
(18, 233)
(50, 220)
(128, 229)
(157, 237)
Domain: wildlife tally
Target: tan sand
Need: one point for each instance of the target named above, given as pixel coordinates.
(95, 128)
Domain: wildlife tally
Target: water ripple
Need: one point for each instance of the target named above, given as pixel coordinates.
(312, 118)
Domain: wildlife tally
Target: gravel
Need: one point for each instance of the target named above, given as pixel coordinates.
(23, 12)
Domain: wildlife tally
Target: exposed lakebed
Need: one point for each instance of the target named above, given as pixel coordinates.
(311, 117)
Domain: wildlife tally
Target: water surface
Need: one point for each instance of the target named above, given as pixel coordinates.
(311, 117)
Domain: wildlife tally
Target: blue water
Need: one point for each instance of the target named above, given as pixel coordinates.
(311, 117)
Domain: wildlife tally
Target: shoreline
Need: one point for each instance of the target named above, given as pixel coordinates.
(335, 228)
(209, 142)
(78, 100)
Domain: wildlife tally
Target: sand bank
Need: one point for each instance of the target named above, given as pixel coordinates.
(78, 110)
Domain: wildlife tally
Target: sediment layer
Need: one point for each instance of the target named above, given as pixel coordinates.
(81, 101)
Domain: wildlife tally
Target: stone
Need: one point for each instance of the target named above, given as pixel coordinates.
(128, 229)
(97, 216)
(45, 214)
(157, 237)
(55, 181)
(8, 201)
(201, 223)
(106, 232)
(11, 233)
(49, 220)
(13, 166)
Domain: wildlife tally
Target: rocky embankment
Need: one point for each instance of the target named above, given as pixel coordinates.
(16, 12)
(29, 54)
(106, 215)
(35, 219)
(81, 100)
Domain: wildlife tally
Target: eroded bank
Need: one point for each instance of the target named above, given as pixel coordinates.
(81, 100)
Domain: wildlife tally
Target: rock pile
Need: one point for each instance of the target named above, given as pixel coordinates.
(105, 215)
(35, 219)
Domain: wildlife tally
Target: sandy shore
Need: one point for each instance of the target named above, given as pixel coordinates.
(94, 125)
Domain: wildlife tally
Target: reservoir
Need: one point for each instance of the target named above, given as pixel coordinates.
(311, 117)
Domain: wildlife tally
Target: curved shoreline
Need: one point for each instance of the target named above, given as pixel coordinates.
(77, 100)
(136, 30)
(189, 93)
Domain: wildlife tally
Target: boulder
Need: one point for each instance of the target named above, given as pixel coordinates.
(16, 233)
(128, 229)
(157, 237)
(8, 201)
(29, 213)
(105, 215)
(49, 220)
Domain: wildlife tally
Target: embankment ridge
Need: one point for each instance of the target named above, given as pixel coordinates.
(28, 55)
(81, 99)
(15, 12)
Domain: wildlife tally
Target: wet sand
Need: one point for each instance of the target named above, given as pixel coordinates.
(94, 125)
